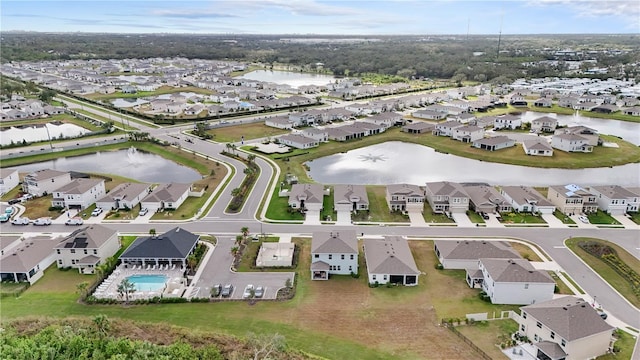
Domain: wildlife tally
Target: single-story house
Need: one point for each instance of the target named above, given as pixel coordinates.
(9, 179)
(484, 198)
(27, 261)
(166, 196)
(543, 102)
(280, 122)
(298, 141)
(588, 133)
(389, 260)
(527, 199)
(401, 197)
(78, 194)
(124, 196)
(565, 328)
(418, 127)
(515, 281)
(350, 198)
(494, 143)
(171, 248)
(465, 254)
(333, 252)
(445, 197)
(86, 248)
(306, 196)
(429, 114)
(633, 111)
(275, 254)
(45, 181)
(537, 147)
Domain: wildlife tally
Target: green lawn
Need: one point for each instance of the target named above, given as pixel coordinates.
(625, 343)
(475, 217)
(115, 121)
(635, 217)
(521, 218)
(141, 94)
(604, 270)
(327, 207)
(251, 251)
(378, 208)
(278, 208)
(575, 285)
(602, 218)
(488, 335)
(431, 217)
(249, 131)
(562, 287)
(564, 218)
(525, 251)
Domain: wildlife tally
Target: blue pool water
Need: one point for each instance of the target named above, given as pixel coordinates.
(148, 282)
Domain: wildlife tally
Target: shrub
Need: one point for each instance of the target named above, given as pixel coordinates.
(439, 266)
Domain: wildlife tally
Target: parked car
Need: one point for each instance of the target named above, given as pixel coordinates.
(248, 291)
(143, 211)
(9, 210)
(74, 221)
(43, 221)
(484, 215)
(259, 292)
(216, 290)
(603, 315)
(4, 217)
(20, 221)
(584, 219)
(26, 197)
(227, 290)
(96, 212)
(14, 201)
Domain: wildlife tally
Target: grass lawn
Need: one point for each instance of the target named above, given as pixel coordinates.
(116, 123)
(525, 251)
(249, 131)
(431, 217)
(475, 217)
(604, 270)
(64, 118)
(564, 218)
(278, 209)
(601, 217)
(635, 217)
(378, 208)
(250, 253)
(521, 218)
(127, 117)
(562, 287)
(488, 334)
(625, 343)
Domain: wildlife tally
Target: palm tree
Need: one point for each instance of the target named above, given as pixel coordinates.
(239, 239)
(235, 192)
(245, 232)
(126, 288)
(82, 288)
(251, 158)
(234, 251)
(192, 262)
(152, 232)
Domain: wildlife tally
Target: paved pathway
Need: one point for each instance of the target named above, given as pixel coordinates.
(416, 218)
(628, 223)
(462, 220)
(553, 221)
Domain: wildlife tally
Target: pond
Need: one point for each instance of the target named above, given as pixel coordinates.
(629, 131)
(131, 163)
(397, 162)
(35, 133)
(293, 79)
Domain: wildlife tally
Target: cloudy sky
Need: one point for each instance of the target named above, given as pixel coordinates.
(360, 17)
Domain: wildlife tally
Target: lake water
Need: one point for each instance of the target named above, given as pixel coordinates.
(293, 79)
(629, 131)
(32, 133)
(398, 162)
(141, 166)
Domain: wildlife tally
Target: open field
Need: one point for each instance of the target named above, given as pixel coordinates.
(249, 131)
(604, 270)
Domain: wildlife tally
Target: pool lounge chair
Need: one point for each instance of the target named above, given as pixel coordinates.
(173, 267)
(148, 266)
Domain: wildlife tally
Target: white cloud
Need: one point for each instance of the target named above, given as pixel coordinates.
(629, 10)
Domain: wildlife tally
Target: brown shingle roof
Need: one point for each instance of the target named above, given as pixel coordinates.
(390, 255)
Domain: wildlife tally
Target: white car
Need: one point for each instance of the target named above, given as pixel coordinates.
(20, 221)
(143, 211)
(248, 291)
(43, 221)
(96, 212)
(584, 219)
(74, 221)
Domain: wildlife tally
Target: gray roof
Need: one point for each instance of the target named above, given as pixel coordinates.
(419, 125)
(569, 317)
(551, 349)
(544, 119)
(313, 192)
(88, 260)
(320, 266)
(515, 270)
(495, 140)
(300, 139)
(446, 188)
(537, 144)
(79, 186)
(475, 249)
(46, 174)
(390, 255)
(176, 243)
(167, 192)
(405, 189)
(525, 194)
(6, 240)
(125, 191)
(90, 237)
(30, 252)
(334, 242)
(4, 172)
(614, 191)
(343, 194)
(483, 194)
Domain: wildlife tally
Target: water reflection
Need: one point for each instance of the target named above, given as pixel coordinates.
(130, 163)
(417, 164)
(289, 78)
(35, 133)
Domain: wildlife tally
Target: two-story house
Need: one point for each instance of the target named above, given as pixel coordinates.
(468, 133)
(78, 194)
(333, 252)
(484, 198)
(515, 281)
(571, 143)
(572, 199)
(44, 181)
(447, 197)
(544, 124)
(9, 178)
(401, 197)
(527, 199)
(86, 248)
(446, 128)
(124, 196)
(507, 122)
(614, 199)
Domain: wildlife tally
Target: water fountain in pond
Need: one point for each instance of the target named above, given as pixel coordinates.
(133, 157)
(372, 158)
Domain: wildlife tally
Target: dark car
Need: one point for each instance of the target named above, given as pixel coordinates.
(603, 315)
(216, 290)
(485, 215)
(14, 201)
(227, 290)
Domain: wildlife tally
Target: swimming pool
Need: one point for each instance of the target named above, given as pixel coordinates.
(148, 282)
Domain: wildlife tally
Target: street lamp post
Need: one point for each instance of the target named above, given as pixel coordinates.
(49, 136)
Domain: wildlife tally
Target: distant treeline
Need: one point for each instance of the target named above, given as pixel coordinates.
(459, 57)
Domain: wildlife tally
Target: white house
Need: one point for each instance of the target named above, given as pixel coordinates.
(298, 141)
(124, 196)
(515, 282)
(571, 143)
(389, 260)
(280, 122)
(614, 199)
(350, 198)
(44, 181)
(333, 252)
(9, 178)
(527, 199)
(565, 328)
(446, 128)
(493, 143)
(507, 122)
(306, 196)
(86, 248)
(468, 133)
(465, 254)
(166, 196)
(445, 196)
(27, 261)
(544, 124)
(537, 147)
(572, 199)
(78, 194)
(319, 135)
(401, 197)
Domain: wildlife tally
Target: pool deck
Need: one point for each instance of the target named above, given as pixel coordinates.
(174, 287)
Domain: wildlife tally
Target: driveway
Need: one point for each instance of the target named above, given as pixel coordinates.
(218, 271)
(312, 217)
(492, 221)
(462, 220)
(581, 224)
(628, 224)
(416, 218)
(344, 217)
(553, 221)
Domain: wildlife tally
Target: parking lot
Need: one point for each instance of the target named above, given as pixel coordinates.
(218, 271)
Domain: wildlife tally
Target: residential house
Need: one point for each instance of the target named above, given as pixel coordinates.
(633, 111)
(298, 141)
(124, 196)
(464, 118)
(78, 194)
(614, 199)
(447, 197)
(446, 128)
(194, 110)
(572, 199)
(171, 248)
(418, 127)
(44, 181)
(571, 143)
(333, 252)
(319, 135)
(86, 248)
(9, 179)
(565, 328)
(166, 197)
(518, 100)
(544, 124)
(485, 198)
(467, 133)
(590, 134)
(429, 114)
(27, 261)
(280, 122)
(510, 122)
(515, 281)
(404, 197)
(389, 260)
(543, 102)
(306, 196)
(494, 143)
(385, 119)
(537, 147)
(527, 199)
(461, 255)
(350, 198)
